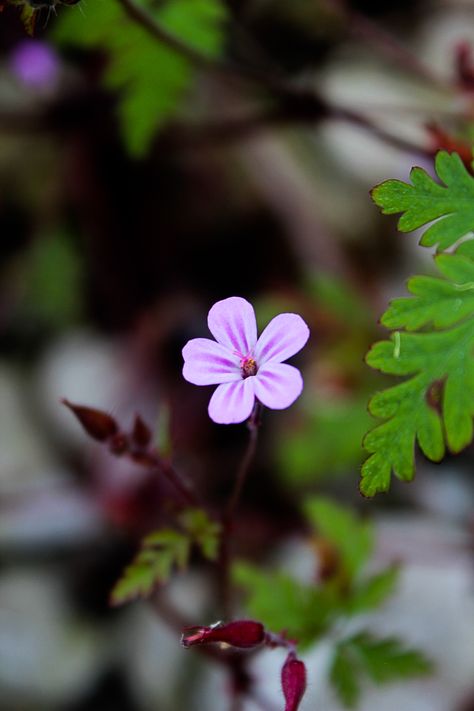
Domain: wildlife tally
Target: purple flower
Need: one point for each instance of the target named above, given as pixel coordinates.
(246, 368)
(35, 64)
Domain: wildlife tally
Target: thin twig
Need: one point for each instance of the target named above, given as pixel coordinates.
(199, 59)
(224, 561)
(142, 17)
(244, 467)
(295, 104)
(373, 35)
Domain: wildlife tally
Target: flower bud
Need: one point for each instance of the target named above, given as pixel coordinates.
(293, 681)
(243, 634)
(141, 433)
(97, 424)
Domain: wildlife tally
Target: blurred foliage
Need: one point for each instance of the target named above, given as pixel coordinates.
(307, 612)
(150, 78)
(51, 277)
(435, 405)
(381, 660)
(162, 551)
(327, 441)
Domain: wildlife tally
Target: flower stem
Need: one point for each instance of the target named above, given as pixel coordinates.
(224, 561)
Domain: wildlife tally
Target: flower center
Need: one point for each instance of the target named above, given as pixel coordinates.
(248, 367)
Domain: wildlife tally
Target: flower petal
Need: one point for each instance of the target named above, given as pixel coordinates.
(209, 363)
(232, 402)
(232, 323)
(284, 336)
(277, 385)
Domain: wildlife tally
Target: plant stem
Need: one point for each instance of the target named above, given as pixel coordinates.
(295, 104)
(224, 561)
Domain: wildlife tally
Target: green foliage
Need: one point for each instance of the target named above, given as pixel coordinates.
(162, 551)
(202, 531)
(52, 281)
(327, 444)
(149, 78)
(352, 538)
(435, 405)
(153, 565)
(381, 660)
(452, 204)
(304, 612)
(308, 612)
(374, 590)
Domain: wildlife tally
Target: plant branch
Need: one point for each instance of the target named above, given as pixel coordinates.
(142, 17)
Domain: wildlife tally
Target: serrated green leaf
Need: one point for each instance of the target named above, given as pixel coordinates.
(151, 79)
(352, 537)
(437, 301)
(171, 541)
(161, 551)
(435, 406)
(450, 202)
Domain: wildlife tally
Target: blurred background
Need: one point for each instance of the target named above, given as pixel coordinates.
(136, 189)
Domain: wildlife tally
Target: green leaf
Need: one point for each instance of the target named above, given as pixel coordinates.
(381, 660)
(202, 531)
(352, 537)
(150, 79)
(281, 603)
(435, 405)
(440, 302)
(327, 443)
(388, 659)
(344, 677)
(163, 550)
(451, 203)
(373, 591)
(153, 565)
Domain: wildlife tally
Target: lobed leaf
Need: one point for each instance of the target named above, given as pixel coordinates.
(450, 203)
(152, 566)
(162, 551)
(435, 405)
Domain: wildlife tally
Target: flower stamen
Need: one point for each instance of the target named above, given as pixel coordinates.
(248, 366)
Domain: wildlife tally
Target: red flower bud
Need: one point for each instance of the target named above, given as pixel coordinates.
(243, 634)
(293, 681)
(141, 433)
(97, 424)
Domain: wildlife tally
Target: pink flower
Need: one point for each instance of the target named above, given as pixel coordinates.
(246, 368)
(35, 64)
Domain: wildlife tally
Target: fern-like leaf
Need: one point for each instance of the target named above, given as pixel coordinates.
(435, 405)
(451, 204)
